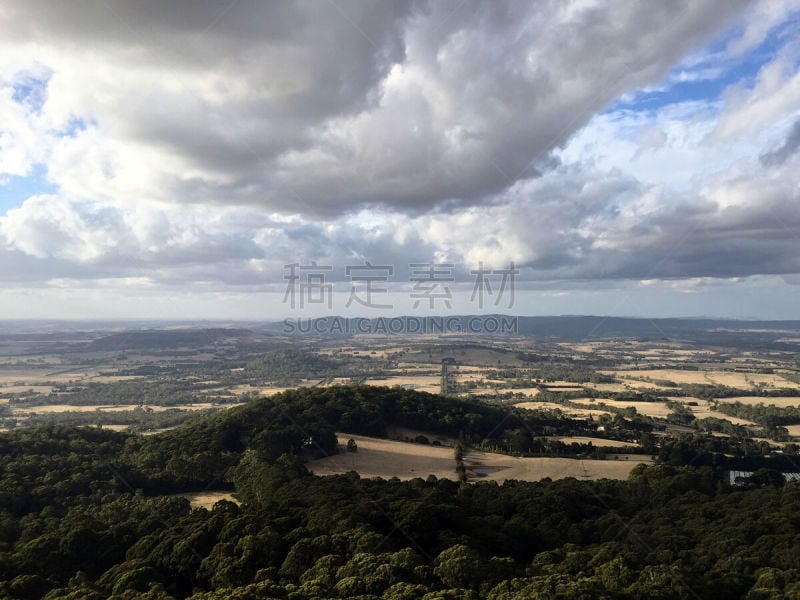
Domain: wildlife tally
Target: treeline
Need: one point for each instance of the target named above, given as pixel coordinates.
(627, 422)
(71, 528)
(136, 419)
(737, 454)
(75, 522)
(768, 416)
(287, 367)
(710, 391)
(710, 424)
(166, 392)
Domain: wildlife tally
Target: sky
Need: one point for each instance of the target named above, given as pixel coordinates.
(174, 159)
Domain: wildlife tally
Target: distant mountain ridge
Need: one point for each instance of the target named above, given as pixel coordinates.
(165, 338)
(577, 327)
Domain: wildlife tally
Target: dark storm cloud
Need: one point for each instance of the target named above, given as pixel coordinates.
(394, 132)
(323, 107)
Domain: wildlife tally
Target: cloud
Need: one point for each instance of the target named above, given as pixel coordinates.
(323, 110)
(787, 149)
(196, 148)
(763, 16)
(775, 94)
(574, 223)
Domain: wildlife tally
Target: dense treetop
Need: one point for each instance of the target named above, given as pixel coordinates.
(83, 514)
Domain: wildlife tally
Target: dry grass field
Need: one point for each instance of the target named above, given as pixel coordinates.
(658, 410)
(585, 347)
(728, 378)
(386, 458)
(703, 410)
(530, 392)
(247, 388)
(464, 377)
(420, 383)
(499, 467)
(572, 412)
(57, 408)
(602, 442)
(42, 380)
(483, 392)
(780, 402)
(207, 499)
(22, 389)
(607, 387)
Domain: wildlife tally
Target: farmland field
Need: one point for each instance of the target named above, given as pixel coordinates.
(601, 442)
(386, 458)
(651, 409)
(499, 467)
(779, 401)
(710, 377)
(704, 410)
(422, 383)
(567, 410)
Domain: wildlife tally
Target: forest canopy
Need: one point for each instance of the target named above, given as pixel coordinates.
(88, 513)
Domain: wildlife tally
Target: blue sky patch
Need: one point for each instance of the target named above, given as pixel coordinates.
(14, 190)
(76, 125)
(31, 90)
(706, 75)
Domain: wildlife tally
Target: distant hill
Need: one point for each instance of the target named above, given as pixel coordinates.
(302, 422)
(720, 332)
(593, 327)
(290, 365)
(166, 338)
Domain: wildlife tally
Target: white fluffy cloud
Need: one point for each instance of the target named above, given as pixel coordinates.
(191, 144)
(322, 109)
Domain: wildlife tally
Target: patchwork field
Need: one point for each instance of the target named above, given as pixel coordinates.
(573, 412)
(781, 402)
(531, 392)
(22, 389)
(658, 410)
(678, 376)
(41, 380)
(421, 383)
(703, 410)
(607, 387)
(57, 408)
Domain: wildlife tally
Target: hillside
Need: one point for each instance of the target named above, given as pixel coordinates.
(84, 515)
